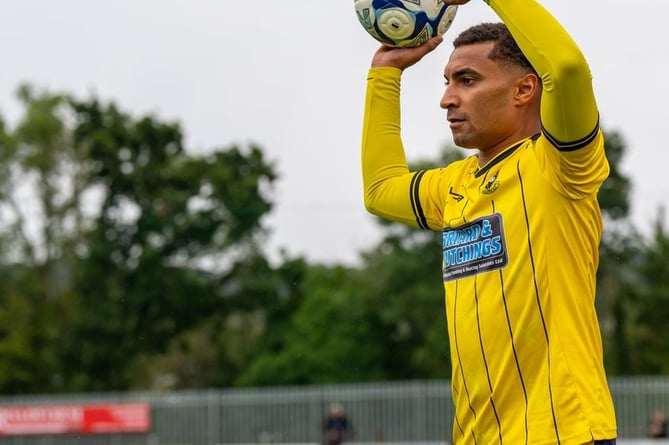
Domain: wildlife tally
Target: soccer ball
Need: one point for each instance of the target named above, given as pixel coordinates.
(404, 23)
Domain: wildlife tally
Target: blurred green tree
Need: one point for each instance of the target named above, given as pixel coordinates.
(618, 253)
(646, 312)
(120, 237)
(382, 320)
(129, 262)
(261, 299)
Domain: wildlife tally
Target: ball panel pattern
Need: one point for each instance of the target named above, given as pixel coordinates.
(404, 23)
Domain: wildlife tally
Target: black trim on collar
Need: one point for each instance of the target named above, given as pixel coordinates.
(501, 157)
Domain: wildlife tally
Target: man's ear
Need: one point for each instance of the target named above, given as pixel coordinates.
(527, 88)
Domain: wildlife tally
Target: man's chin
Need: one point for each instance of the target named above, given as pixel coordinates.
(464, 142)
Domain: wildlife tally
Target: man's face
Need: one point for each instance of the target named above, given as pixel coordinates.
(479, 98)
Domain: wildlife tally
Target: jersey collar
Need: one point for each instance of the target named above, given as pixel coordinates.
(505, 154)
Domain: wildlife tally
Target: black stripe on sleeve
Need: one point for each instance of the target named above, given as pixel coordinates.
(414, 196)
(571, 146)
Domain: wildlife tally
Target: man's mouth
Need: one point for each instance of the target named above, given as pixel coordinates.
(455, 121)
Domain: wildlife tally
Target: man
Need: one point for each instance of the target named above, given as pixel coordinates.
(336, 426)
(657, 426)
(520, 221)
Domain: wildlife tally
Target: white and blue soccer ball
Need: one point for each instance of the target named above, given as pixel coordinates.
(404, 23)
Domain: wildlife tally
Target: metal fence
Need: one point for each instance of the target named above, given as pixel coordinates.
(419, 411)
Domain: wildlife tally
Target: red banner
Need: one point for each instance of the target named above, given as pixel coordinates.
(64, 419)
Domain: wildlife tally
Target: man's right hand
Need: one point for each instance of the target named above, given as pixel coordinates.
(403, 58)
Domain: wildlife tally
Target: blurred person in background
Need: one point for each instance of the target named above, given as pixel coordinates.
(336, 426)
(657, 426)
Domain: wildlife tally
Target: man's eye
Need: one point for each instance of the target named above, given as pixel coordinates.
(467, 80)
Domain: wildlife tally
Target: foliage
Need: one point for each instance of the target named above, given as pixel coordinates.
(650, 308)
(131, 241)
(614, 194)
(381, 321)
(619, 250)
(129, 262)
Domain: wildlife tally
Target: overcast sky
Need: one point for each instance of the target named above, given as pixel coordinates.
(290, 77)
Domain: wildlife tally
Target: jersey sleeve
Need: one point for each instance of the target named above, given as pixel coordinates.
(390, 189)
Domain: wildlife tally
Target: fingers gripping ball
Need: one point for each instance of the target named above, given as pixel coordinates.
(404, 23)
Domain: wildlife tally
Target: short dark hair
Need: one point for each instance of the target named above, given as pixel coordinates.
(505, 49)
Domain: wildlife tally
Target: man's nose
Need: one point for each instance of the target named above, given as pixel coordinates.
(448, 99)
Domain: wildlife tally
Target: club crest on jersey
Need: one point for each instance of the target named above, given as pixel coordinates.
(490, 186)
(473, 248)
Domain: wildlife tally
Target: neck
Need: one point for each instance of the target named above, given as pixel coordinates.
(529, 127)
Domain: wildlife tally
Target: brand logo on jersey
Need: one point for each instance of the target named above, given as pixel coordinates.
(458, 197)
(490, 186)
(474, 248)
